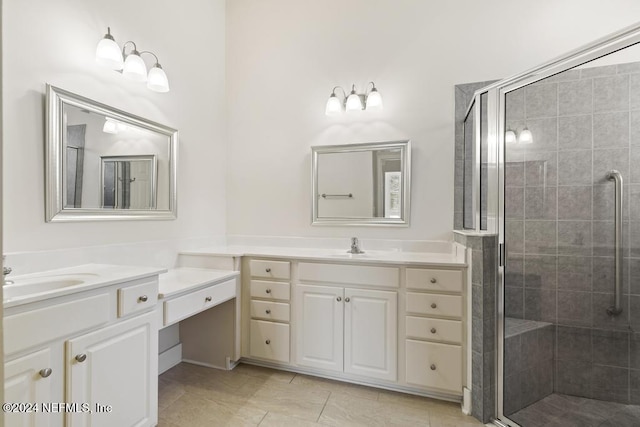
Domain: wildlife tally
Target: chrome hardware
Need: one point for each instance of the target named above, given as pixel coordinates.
(81, 357)
(433, 280)
(44, 373)
(434, 305)
(267, 342)
(355, 247)
(268, 311)
(433, 330)
(339, 299)
(433, 367)
(143, 298)
(616, 308)
(268, 291)
(268, 270)
(207, 299)
(347, 299)
(6, 271)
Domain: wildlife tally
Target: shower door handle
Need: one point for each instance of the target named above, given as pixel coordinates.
(616, 308)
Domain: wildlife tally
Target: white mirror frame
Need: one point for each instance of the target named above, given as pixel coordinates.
(405, 158)
(55, 161)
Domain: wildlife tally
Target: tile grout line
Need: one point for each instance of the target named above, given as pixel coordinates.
(262, 419)
(323, 406)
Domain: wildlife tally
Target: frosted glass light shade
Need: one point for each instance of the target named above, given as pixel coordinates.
(108, 53)
(374, 100)
(353, 102)
(110, 126)
(334, 106)
(525, 137)
(157, 80)
(509, 137)
(135, 68)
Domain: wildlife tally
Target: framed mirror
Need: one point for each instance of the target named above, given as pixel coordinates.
(362, 184)
(106, 164)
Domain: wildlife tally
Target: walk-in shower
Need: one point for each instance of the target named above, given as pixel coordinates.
(549, 162)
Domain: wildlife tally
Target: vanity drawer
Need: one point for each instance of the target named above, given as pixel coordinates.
(270, 310)
(133, 299)
(350, 274)
(434, 304)
(434, 280)
(270, 269)
(434, 329)
(273, 290)
(34, 327)
(269, 340)
(434, 365)
(195, 302)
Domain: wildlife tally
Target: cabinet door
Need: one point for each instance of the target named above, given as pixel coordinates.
(319, 323)
(370, 333)
(27, 381)
(116, 366)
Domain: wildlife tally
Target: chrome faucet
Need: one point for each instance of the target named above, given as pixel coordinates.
(355, 246)
(5, 272)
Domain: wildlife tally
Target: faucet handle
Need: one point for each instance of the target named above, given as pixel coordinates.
(354, 240)
(6, 270)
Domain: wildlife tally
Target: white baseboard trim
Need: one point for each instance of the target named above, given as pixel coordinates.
(169, 358)
(466, 401)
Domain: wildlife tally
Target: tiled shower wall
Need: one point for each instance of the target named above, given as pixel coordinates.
(560, 229)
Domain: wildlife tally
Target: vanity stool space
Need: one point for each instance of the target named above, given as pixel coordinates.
(86, 337)
(391, 320)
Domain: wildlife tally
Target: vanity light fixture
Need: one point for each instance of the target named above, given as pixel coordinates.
(113, 126)
(509, 136)
(524, 138)
(371, 100)
(108, 54)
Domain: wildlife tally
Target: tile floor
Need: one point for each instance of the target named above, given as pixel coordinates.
(560, 410)
(193, 396)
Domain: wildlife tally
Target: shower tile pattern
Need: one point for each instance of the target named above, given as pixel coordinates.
(559, 229)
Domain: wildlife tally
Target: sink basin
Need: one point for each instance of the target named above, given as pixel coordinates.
(40, 285)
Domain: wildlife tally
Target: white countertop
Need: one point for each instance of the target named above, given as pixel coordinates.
(65, 281)
(179, 281)
(337, 255)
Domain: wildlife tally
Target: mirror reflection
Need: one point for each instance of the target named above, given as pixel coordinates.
(361, 184)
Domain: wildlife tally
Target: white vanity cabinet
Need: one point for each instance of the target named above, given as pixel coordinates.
(90, 348)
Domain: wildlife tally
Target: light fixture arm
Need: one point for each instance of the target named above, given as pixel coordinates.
(154, 55)
(134, 50)
(344, 93)
(373, 88)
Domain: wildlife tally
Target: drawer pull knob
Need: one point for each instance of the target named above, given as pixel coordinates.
(434, 305)
(207, 299)
(433, 330)
(143, 298)
(267, 342)
(268, 291)
(433, 367)
(339, 299)
(347, 299)
(44, 373)
(433, 280)
(268, 270)
(81, 357)
(268, 311)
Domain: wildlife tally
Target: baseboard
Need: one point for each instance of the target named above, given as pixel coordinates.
(169, 358)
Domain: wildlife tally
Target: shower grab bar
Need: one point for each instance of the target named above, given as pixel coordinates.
(616, 309)
(327, 196)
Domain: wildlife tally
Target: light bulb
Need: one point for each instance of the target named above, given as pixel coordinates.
(110, 126)
(108, 52)
(157, 80)
(353, 100)
(134, 67)
(334, 106)
(525, 137)
(509, 137)
(374, 100)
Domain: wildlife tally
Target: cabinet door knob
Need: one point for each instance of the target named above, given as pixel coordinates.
(268, 270)
(433, 280)
(143, 298)
(339, 299)
(207, 299)
(347, 299)
(267, 342)
(44, 373)
(268, 311)
(434, 305)
(81, 357)
(268, 291)
(433, 367)
(433, 330)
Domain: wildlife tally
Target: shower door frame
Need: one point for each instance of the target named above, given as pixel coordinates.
(496, 109)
